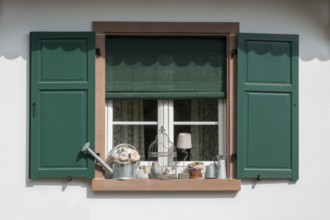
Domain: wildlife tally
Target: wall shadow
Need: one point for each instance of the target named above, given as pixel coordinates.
(254, 183)
(312, 14)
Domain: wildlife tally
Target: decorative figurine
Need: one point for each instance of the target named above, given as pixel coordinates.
(156, 169)
(142, 172)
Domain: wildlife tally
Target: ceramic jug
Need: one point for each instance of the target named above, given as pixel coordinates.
(210, 171)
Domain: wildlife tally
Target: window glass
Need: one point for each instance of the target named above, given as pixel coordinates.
(135, 110)
(196, 110)
(204, 139)
(200, 119)
(136, 122)
(140, 134)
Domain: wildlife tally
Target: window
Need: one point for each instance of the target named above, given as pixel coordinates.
(138, 121)
(63, 88)
(187, 75)
(167, 99)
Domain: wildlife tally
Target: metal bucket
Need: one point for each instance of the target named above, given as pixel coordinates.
(124, 172)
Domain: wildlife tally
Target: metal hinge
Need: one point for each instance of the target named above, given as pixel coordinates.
(69, 178)
(233, 157)
(259, 178)
(98, 52)
(233, 52)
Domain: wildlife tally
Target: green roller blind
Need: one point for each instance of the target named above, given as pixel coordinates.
(267, 106)
(62, 106)
(165, 67)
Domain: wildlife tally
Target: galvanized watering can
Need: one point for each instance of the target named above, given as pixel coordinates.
(122, 163)
(86, 148)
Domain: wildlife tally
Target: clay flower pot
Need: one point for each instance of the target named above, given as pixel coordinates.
(195, 173)
(196, 170)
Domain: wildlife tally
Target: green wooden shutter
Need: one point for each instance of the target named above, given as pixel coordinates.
(166, 67)
(61, 103)
(267, 106)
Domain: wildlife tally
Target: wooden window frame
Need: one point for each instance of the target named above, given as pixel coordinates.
(213, 29)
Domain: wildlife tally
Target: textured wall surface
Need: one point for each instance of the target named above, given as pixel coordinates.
(308, 198)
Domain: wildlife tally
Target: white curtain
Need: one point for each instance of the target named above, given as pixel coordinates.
(129, 110)
(204, 137)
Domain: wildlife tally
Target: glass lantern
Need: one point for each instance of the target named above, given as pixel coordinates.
(162, 157)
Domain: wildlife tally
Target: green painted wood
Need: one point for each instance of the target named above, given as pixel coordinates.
(165, 67)
(267, 106)
(62, 118)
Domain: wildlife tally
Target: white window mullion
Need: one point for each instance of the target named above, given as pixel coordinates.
(222, 126)
(171, 120)
(165, 116)
(135, 123)
(196, 123)
(160, 114)
(109, 126)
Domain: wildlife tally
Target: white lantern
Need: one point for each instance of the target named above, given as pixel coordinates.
(162, 157)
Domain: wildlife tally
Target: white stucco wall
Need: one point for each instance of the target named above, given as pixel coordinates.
(308, 198)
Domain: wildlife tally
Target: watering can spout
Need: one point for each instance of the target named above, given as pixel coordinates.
(91, 152)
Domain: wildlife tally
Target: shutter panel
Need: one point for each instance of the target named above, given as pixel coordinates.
(166, 67)
(62, 103)
(267, 106)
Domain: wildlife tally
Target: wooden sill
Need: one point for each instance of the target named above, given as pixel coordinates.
(152, 185)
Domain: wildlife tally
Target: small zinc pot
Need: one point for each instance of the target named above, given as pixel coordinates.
(124, 172)
(124, 161)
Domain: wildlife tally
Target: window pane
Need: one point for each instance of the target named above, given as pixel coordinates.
(204, 140)
(134, 110)
(140, 136)
(196, 110)
(204, 137)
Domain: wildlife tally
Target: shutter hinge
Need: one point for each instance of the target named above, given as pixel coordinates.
(233, 157)
(98, 52)
(259, 178)
(233, 53)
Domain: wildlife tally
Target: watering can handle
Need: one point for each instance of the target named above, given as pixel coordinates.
(91, 152)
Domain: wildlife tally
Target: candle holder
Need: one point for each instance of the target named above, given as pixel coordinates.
(184, 143)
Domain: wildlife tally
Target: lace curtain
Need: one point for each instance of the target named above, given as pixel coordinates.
(204, 137)
(129, 110)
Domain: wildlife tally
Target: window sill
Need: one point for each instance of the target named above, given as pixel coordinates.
(179, 185)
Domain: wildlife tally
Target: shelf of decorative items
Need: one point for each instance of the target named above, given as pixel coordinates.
(159, 173)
